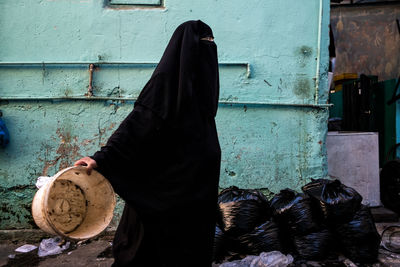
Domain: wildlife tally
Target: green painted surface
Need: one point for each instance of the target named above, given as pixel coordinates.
(387, 122)
(336, 98)
(273, 57)
(271, 147)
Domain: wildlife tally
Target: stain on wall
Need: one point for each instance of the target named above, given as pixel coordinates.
(302, 88)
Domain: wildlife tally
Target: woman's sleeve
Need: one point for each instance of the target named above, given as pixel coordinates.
(125, 144)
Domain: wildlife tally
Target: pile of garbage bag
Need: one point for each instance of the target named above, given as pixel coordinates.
(326, 218)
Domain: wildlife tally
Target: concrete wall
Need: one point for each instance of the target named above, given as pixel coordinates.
(273, 67)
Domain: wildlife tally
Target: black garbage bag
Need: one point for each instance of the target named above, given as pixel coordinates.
(233, 193)
(390, 185)
(313, 246)
(241, 216)
(359, 238)
(294, 211)
(241, 210)
(219, 246)
(337, 202)
(263, 238)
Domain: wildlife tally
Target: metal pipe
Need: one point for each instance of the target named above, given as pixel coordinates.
(83, 63)
(56, 98)
(104, 98)
(41, 63)
(317, 75)
(277, 104)
(90, 87)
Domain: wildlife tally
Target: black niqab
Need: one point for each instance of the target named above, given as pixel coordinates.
(164, 158)
(188, 71)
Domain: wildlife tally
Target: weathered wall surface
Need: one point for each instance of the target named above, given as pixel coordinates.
(367, 40)
(273, 62)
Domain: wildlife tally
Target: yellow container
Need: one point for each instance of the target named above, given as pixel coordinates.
(74, 205)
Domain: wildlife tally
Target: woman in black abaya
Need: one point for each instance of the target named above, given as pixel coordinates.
(164, 159)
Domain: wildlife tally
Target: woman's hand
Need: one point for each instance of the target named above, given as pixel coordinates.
(88, 162)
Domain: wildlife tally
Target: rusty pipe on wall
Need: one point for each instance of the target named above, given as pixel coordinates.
(42, 64)
(90, 87)
(108, 98)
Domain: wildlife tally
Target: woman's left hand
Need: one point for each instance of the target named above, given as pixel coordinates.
(88, 162)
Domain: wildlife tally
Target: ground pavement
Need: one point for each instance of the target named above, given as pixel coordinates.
(97, 252)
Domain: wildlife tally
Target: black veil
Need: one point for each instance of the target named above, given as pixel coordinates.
(186, 75)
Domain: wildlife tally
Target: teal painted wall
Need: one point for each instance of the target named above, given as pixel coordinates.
(273, 66)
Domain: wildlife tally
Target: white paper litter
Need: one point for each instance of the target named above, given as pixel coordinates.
(51, 246)
(25, 248)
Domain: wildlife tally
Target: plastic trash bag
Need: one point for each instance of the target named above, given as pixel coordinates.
(390, 238)
(265, 259)
(241, 210)
(219, 246)
(390, 185)
(272, 259)
(52, 246)
(337, 202)
(314, 246)
(4, 134)
(294, 211)
(42, 180)
(240, 217)
(233, 193)
(359, 238)
(263, 238)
